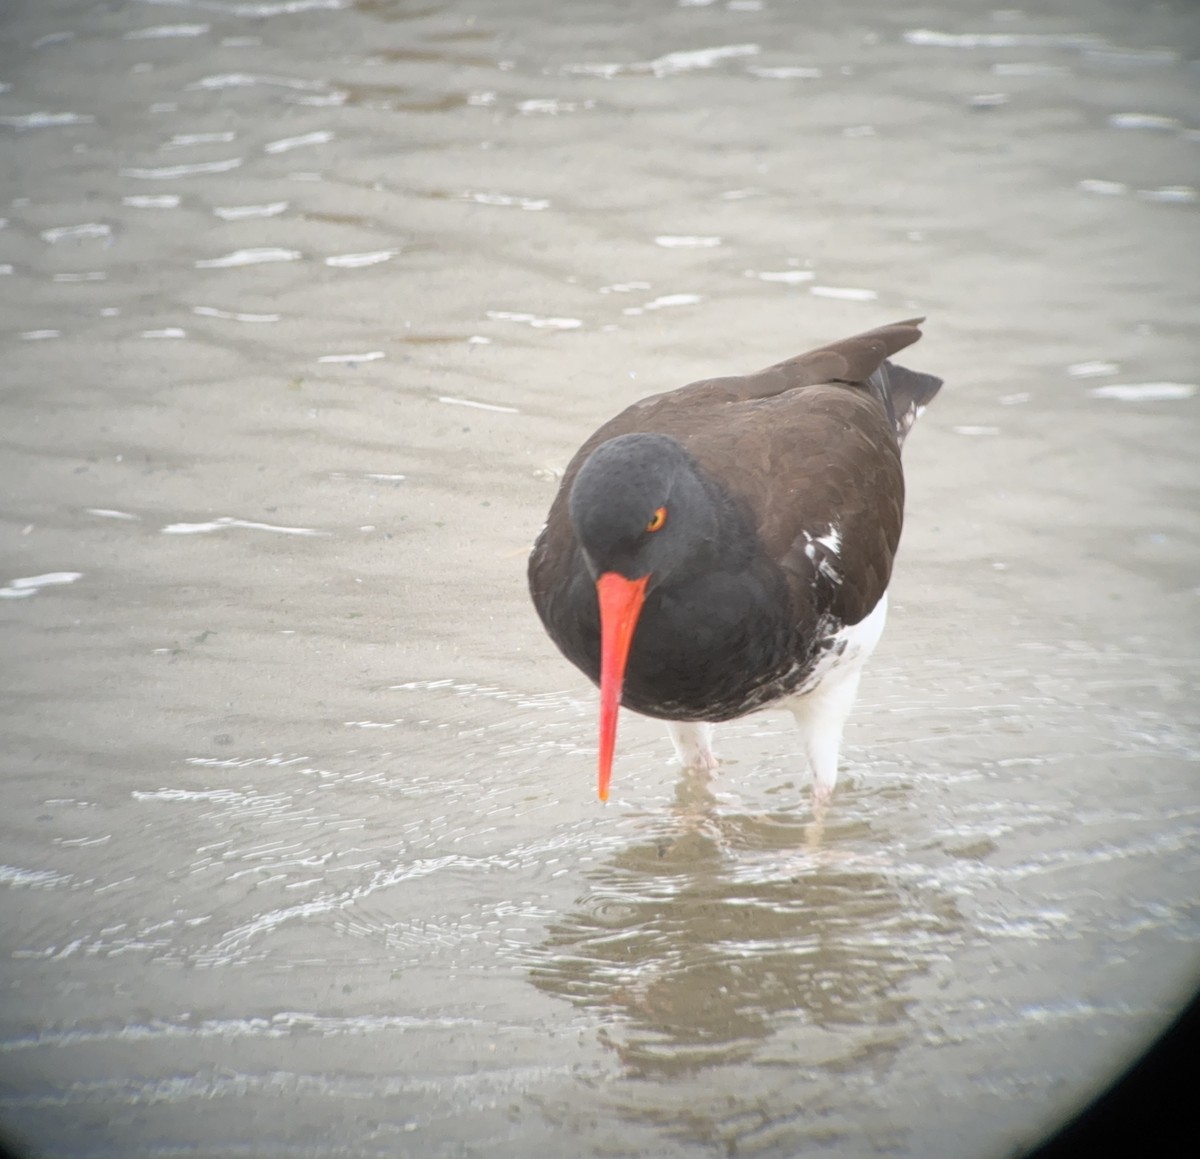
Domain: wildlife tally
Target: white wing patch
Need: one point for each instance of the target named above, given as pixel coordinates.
(831, 541)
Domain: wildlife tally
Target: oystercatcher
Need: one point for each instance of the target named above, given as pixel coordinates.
(728, 545)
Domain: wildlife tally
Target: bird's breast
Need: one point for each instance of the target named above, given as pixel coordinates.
(714, 651)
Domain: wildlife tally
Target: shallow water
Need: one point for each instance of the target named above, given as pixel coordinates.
(306, 305)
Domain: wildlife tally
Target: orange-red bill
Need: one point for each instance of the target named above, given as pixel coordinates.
(620, 604)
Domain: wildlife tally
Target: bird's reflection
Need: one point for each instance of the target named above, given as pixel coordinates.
(699, 941)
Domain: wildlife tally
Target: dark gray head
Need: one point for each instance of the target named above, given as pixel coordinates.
(641, 506)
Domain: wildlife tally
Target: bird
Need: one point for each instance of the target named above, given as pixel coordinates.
(727, 546)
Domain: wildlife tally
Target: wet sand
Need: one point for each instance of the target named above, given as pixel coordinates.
(306, 304)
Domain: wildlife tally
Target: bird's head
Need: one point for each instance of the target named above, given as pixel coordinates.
(642, 515)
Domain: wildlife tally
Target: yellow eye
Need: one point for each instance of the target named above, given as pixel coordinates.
(657, 520)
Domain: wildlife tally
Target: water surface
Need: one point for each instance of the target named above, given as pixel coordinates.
(307, 304)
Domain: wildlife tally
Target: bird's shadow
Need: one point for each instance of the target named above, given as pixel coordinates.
(696, 942)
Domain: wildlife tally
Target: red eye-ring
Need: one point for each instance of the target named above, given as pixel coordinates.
(657, 520)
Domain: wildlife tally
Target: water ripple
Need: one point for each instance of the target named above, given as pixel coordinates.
(173, 172)
(88, 229)
(532, 204)
(44, 120)
(16, 878)
(152, 201)
(686, 241)
(226, 522)
(534, 320)
(671, 64)
(287, 144)
(928, 38)
(282, 1025)
(352, 359)
(240, 212)
(358, 261)
(786, 277)
(233, 315)
(225, 1083)
(843, 293)
(189, 140)
(512, 410)
(241, 80)
(167, 31)
(1145, 391)
(31, 585)
(249, 257)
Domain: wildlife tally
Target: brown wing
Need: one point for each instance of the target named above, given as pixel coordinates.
(852, 360)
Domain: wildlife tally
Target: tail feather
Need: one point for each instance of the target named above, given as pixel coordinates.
(904, 393)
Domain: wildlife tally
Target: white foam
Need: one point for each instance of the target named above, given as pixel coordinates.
(534, 320)
(11, 875)
(671, 300)
(152, 201)
(1104, 188)
(686, 241)
(358, 261)
(23, 121)
(233, 316)
(166, 31)
(30, 585)
(676, 62)
(843, 293)
(532, 204)
(1092, 369)
(284, 8)
(786, 277)
(171, 172)
(478, 405)
(287, 144)
(77, 232)
(1172, 194)
(783, 72)
(930, 38)
(240, 80)
(1145, 391)
(226, 522)
(551, 106)
(1142, 121)
(238, 212)
(624, 287)
(249, 257)
(190, 140)
(369, 356)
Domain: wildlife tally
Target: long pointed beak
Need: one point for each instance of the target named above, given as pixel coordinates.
(620, 605)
